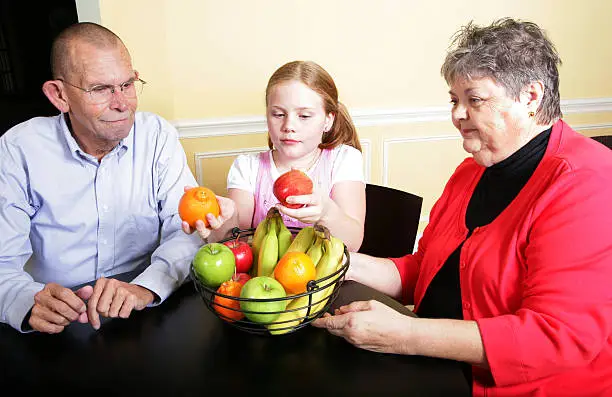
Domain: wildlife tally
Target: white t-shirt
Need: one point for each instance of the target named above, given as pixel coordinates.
(347, 166)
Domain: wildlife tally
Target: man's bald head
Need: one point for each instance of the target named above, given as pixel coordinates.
(65, 45)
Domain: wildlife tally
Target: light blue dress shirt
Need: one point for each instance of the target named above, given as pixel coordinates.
(69, 219)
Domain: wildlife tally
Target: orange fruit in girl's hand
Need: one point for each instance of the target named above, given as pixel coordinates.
(294, 271)
(231, 312)
(196, 203)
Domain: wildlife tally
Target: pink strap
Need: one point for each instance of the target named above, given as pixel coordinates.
(264, 195)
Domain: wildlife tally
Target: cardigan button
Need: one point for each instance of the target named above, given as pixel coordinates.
(462, 266)
(466, 305)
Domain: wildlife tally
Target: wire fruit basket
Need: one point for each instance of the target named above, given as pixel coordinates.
(313, 302)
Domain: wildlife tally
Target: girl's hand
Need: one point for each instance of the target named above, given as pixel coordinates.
(315, 209)
(227, 209)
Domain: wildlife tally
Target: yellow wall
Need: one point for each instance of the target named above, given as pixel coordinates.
(207, 59)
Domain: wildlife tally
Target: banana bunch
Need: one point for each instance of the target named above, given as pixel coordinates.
(270, 242)
(330, 260)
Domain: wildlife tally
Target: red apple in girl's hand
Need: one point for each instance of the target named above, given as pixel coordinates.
(243, 253)
(292, 183)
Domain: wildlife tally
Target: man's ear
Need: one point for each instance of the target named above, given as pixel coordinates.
(54, 91)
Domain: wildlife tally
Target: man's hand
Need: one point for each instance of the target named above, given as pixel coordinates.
(55, 307)
(227, 209)
(114, 298)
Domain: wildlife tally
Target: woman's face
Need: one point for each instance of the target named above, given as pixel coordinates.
(296, 119)
(492, 124)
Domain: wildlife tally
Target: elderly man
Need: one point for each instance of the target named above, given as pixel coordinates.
(91, 193)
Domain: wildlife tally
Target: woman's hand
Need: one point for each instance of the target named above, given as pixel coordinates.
(370, 325)
(227, 209)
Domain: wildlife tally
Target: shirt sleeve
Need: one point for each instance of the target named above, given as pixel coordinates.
(170, 262)
(243, 172)
(17, 288)
(565, 319)
(348, 165)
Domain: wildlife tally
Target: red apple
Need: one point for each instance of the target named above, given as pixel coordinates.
(292, 183)
(241, 278)
(243, 254)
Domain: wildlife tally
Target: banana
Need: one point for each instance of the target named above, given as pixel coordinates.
(303, 240)
(258, 236)
(297, 309)
(268, 254)
(290, 318)
(315, 252)
(334, 252)
(284, 236)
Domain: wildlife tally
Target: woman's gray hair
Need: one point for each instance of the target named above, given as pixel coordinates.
(514, 54)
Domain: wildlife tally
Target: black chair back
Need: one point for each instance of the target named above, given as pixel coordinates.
(604, 139)
(391, 221)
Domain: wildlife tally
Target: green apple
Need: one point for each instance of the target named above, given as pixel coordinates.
(214, 263)
(263, 287)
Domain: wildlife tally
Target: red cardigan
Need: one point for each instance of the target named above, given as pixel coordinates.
(538, 279)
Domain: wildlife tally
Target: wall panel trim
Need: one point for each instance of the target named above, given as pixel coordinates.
(201, 128)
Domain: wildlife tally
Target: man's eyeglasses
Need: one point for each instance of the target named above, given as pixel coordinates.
(103, 93)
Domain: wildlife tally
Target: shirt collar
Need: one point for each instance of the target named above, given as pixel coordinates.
(122, 147)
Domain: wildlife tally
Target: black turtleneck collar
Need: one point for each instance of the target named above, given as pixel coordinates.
(502, 182)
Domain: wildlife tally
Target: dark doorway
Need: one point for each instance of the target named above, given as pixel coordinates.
(27, 29)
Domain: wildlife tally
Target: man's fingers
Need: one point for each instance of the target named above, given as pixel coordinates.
(128, 305)
(48, 315)
(83, 318)
(60, 301)
(85, 293)
(41, 325)
(104, 303)
(118, 301)
(92, 305)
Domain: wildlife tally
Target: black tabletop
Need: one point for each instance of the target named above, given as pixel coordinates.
(181, 349)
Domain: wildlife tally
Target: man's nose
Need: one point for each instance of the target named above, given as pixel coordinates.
(118, 100)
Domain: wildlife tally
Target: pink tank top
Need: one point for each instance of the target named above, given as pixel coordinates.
(321, 175)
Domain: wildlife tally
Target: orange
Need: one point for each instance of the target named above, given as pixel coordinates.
(294, 271)
(232, 311)
(196, 203)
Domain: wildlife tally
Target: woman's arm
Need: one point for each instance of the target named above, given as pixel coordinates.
(374, 326)
(378, 273)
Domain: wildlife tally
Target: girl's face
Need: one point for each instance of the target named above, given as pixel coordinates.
(296, 119)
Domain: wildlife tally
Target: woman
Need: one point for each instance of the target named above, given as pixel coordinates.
(513, 272)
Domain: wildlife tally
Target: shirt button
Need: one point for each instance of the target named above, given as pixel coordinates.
(105, 207)
(104, 241)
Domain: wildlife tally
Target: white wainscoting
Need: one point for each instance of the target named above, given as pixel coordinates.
(202, 128)
(366, 147)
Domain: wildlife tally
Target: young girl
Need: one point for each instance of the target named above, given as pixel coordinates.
(310, 130)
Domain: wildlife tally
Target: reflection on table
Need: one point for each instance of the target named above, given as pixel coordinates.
(180, 348)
